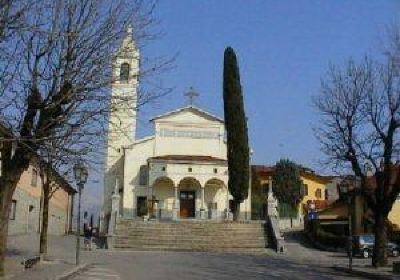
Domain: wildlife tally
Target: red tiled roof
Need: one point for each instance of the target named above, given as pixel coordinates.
(188, 158)
(395, 170)
(264, 171)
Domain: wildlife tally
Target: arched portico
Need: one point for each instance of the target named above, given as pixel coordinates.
(216, 197)
(190, 197)
(163, 193)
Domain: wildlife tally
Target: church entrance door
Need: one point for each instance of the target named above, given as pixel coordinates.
(187, 204)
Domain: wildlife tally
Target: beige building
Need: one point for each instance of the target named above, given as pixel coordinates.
(180, 170)
(25, 215)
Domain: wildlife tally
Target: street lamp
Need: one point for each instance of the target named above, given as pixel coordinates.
(250, 182)
(81, 175)
(345, 190)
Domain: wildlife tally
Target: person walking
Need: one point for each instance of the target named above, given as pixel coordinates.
(88, 238)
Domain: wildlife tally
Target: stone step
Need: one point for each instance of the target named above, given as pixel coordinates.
(194, 224)
(191, 229)
(171, 235)
(185, 225)
(189, 240)
(191, 244)
(191, 249)
(190, 236)
(247, 231)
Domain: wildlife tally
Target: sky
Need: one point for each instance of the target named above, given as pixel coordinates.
(284, 48)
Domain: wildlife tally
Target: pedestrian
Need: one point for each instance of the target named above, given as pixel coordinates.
(95, 237)
(88, 238)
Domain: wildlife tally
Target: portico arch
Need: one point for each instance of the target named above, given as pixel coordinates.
(215, 196)
(189, 197)
(189, 183)
(164, 194)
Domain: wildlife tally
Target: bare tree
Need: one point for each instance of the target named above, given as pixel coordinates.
(60, 88)
(360, 119)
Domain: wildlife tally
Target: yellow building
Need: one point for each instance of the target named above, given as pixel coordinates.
(314, 185)
(394, 215)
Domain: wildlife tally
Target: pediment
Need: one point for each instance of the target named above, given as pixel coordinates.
(188, 115)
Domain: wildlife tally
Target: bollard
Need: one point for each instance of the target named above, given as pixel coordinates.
(396, 267)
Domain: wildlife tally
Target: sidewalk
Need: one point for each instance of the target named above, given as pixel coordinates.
(368, 272)
(61, 255)
(300, 250)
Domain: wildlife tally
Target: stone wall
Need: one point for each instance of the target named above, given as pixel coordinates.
(25, 221)
(288, 223)
(57, 221)
(27, 215)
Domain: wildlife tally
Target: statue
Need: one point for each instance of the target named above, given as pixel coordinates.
(272, 202)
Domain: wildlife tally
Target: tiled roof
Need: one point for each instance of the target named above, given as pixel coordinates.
(266, 171)
(188, 158)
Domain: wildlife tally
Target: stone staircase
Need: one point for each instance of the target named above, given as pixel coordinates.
(245, 237)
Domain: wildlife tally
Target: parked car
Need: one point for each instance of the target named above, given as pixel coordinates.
(363, 245)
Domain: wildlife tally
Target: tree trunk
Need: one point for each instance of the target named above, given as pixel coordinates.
(4, 216)
(236, 210)
(12, 170)
(379, 257)
(6, 192)
(45, 221)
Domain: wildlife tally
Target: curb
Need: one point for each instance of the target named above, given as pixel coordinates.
(368, 275)
(72, 272)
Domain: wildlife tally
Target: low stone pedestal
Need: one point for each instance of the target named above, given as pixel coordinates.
(109, 242)
(203, 214)
(213, 214)
(175, 214)
(396, 267)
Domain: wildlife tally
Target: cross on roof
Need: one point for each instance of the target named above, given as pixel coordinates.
(191, 95)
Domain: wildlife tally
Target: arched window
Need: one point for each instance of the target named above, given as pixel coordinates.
(124, 72)
(143, 175)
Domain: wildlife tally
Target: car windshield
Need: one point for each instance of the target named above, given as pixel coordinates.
(368, 239)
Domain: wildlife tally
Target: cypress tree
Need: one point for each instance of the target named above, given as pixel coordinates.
(236, 128)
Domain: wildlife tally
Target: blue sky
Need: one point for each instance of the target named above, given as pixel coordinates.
(284, 48)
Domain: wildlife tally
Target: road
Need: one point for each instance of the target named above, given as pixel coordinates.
(191, 266)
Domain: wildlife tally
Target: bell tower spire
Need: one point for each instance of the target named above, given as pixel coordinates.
(123, 111)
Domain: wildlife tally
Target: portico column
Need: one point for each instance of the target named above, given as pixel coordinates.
(134, 203)
(227, 210)
(175, 210)
(202, 210)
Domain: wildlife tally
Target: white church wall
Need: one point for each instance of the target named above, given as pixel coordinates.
(189, 134)
(135, 157)
(122, 118)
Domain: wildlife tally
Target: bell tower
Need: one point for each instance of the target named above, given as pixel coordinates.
(122, 116)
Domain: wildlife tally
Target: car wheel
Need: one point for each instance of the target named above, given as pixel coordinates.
(395, 253)
(365, 254)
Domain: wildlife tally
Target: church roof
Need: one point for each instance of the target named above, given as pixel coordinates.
(190, 108)
(188, 158)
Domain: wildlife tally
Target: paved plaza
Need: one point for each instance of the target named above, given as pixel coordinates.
(106, 264)
(197, 266)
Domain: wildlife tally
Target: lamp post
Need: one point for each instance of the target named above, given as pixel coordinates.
(80, 174)
(344, 189)
(250, 185)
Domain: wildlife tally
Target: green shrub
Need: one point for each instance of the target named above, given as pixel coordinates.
(286, 210)
(330, 239)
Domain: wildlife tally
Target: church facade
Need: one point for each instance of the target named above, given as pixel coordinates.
(179, 172)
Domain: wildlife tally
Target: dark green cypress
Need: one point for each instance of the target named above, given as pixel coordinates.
(236, 128)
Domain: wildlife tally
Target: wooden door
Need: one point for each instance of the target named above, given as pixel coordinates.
(187, 204)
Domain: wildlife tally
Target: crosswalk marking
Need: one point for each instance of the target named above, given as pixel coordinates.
(98, 273)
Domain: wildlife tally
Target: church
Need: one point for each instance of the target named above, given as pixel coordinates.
(179, 172)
